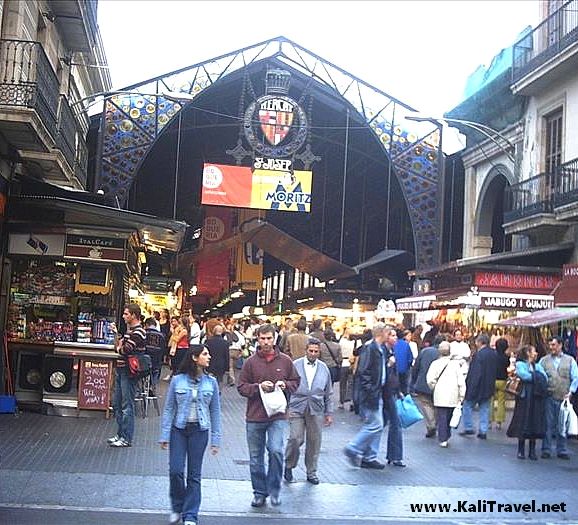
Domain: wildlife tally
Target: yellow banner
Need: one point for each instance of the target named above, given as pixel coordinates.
(249, 257)
(281, 190)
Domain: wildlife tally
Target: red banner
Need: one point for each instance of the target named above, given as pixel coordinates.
(213, 271)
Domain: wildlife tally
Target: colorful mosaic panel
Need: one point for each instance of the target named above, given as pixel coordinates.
(131, 124)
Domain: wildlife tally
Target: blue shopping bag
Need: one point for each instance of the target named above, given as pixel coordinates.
(407, 411)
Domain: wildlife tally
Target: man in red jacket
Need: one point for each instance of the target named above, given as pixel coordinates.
(265, 370)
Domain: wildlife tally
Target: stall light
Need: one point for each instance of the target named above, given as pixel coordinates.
(193, 290)
(219, 305)
(142, 257)
(132, 293)
(207, 311)
(237, 294)
(299, 301)
(178, 284)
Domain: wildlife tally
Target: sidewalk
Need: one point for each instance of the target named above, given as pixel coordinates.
(55, 461)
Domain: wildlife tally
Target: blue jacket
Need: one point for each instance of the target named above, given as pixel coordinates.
(178, 406)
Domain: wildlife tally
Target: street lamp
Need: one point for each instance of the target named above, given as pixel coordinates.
(487, 131)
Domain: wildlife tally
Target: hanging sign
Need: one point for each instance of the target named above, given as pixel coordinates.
(96, 248)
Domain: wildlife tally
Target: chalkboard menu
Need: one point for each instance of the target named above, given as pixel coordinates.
(94, 384)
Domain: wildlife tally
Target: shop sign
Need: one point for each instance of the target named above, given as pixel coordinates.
(516, 281)
(414, 304)
(36, 244)
(96, 248)
(570, 272)
(512, 302)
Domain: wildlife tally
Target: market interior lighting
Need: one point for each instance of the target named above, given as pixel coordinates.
(142, 257)
(193, 290)
(307, 299)
(132, 293)
(237, 294)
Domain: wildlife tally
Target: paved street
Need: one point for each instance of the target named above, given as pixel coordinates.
(55, 463)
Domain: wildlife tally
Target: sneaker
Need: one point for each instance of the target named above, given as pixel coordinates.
(174, 517)
(113, 439)
(190, 522)
(374, 464)
(352, 457)
(120, 442)
(444, 444)
(467, 433)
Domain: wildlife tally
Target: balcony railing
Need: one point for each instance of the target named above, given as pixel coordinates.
(27, 80)
(529, 197)
(552, 36)
(567, 184)
(542, 193)
(66, 139)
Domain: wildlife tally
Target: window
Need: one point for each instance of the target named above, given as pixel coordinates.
(553, 140)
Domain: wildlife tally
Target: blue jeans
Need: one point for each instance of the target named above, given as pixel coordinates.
(468, 418)
(123, 403)
(552, 412)
(269, 434)
(366, 442)
(188, 443)
(394, 435)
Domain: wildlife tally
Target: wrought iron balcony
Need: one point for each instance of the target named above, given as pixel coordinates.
(544, 193)
(567, 184)
(530, 197)
(28, 81)
(555, 34)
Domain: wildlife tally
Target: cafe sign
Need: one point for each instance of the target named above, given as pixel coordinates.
(108, 249)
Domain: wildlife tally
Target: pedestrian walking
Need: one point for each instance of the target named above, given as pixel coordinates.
(446, 380)
(310, 408)
(265, 370)
(562, 373)
(480, 384)
(192, 409)
(371, 374)
(528, 421)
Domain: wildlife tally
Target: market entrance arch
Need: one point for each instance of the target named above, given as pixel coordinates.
(166, 111)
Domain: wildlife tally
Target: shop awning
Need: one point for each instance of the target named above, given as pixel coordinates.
(161, 233)
(566, 293)
(280, 245)
(542, 317)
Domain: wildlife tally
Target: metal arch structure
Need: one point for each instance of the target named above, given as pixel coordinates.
(134, 117)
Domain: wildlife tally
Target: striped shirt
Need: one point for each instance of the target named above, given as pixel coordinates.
(132, 342)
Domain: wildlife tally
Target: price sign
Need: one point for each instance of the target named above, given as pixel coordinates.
(94, 384)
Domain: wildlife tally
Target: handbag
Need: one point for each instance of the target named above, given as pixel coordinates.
(335, 371)
(514, 385)
(456, 416)
(407, 411)
(139, 365)
(274, 402)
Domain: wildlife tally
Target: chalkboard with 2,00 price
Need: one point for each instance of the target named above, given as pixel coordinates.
(94, 384)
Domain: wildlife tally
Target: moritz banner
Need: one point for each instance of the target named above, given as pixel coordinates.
(263, 189)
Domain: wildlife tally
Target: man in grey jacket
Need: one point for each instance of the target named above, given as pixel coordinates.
(310, 407)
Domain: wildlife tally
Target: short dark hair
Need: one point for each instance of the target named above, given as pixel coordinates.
(313, 341)
(302, 324)
(501, 345)
(483, 339)
(523, 352)
(556, 338)
(151, 321)
(265, 329)
(133, 309)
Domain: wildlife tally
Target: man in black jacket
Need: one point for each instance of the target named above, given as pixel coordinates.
(371, 373)
(480, 387)
(422, 392)
(219, 349)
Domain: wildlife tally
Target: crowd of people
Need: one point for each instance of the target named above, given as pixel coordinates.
(301, 364)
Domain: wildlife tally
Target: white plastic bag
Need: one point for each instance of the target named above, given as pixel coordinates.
(572, 421)
(456, 417)
(274, 402)
(564, 418)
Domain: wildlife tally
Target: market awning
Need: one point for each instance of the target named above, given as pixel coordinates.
(161, 233)
(280, 245)
(566, 293)
(542, 317)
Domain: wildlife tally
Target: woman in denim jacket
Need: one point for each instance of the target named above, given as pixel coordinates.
(192, 407)
(528, 421)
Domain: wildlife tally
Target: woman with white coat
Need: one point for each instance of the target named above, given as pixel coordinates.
(448, 384)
